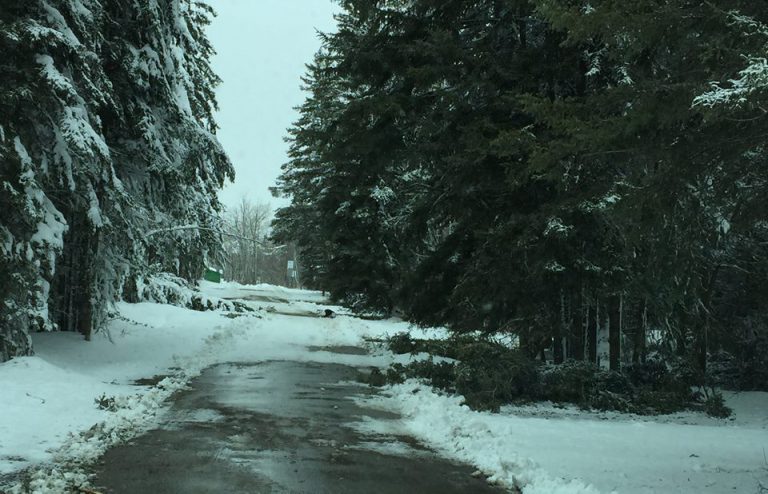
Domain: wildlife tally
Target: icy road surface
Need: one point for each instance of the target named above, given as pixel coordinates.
(277, 427)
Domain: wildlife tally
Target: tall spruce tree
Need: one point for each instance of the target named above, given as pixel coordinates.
(673, 174)
(582, 175)
(107, 139)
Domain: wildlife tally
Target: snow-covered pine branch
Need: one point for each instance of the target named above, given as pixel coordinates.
(172, 229)
(752, 78)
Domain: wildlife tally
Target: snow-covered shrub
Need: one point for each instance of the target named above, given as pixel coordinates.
(724, 370)
(401, 343)
(609, 401)
(614, 382)
(367, 306)
(715, 406)
(488, 374)
(570, 382)
(613, 391)
(487, 387)
(649, 401)
(652, 373)
(753, 356)
(166, 288)
(442, 375)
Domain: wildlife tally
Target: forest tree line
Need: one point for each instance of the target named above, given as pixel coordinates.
(109, 162)
(548, 169)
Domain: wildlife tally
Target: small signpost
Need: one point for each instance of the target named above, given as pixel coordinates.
(292, 275)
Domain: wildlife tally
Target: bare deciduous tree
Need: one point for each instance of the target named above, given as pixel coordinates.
(249, 257)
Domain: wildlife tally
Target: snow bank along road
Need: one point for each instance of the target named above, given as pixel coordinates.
(49, 423)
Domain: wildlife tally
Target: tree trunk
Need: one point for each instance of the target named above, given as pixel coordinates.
(614, 332)
(576, 337)
(702, 335)
(72, 290)
(557, 343)
(84, 297)
(592, 332)
(680, 346)
(638, 343)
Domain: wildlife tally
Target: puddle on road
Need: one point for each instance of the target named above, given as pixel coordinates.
(150, 381)
(340, 349)
(262, 298)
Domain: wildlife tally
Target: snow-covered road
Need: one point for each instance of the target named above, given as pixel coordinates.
(47, 405)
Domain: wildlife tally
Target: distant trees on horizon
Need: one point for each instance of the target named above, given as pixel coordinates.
(248, 255)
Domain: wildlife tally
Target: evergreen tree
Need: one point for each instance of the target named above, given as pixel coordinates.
(578, 174)
(672, 172)
(107, 139)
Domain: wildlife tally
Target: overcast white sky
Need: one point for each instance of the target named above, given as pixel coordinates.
(262, 46)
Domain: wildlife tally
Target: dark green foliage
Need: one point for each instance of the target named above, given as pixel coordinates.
(548, 169)
(673, 374)
(723, 370)
(441, 375)
(715, 406)
(486, 373)
(583, 384)
(614, 382)
(751, 360)
(375, 378)
(402, 343)
(490, 375)
(652, 373)
(571, 382)
(609, 401)
(661, 401)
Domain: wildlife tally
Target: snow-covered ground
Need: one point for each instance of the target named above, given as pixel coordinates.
(531, 447)
(49, 418)
(48, 410)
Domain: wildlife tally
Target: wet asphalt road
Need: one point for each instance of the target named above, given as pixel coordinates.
(276, 427)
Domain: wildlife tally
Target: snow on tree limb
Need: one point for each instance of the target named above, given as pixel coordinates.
(753, 78)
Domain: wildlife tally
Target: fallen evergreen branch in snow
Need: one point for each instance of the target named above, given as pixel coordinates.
(166, 288)
(490, 374)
